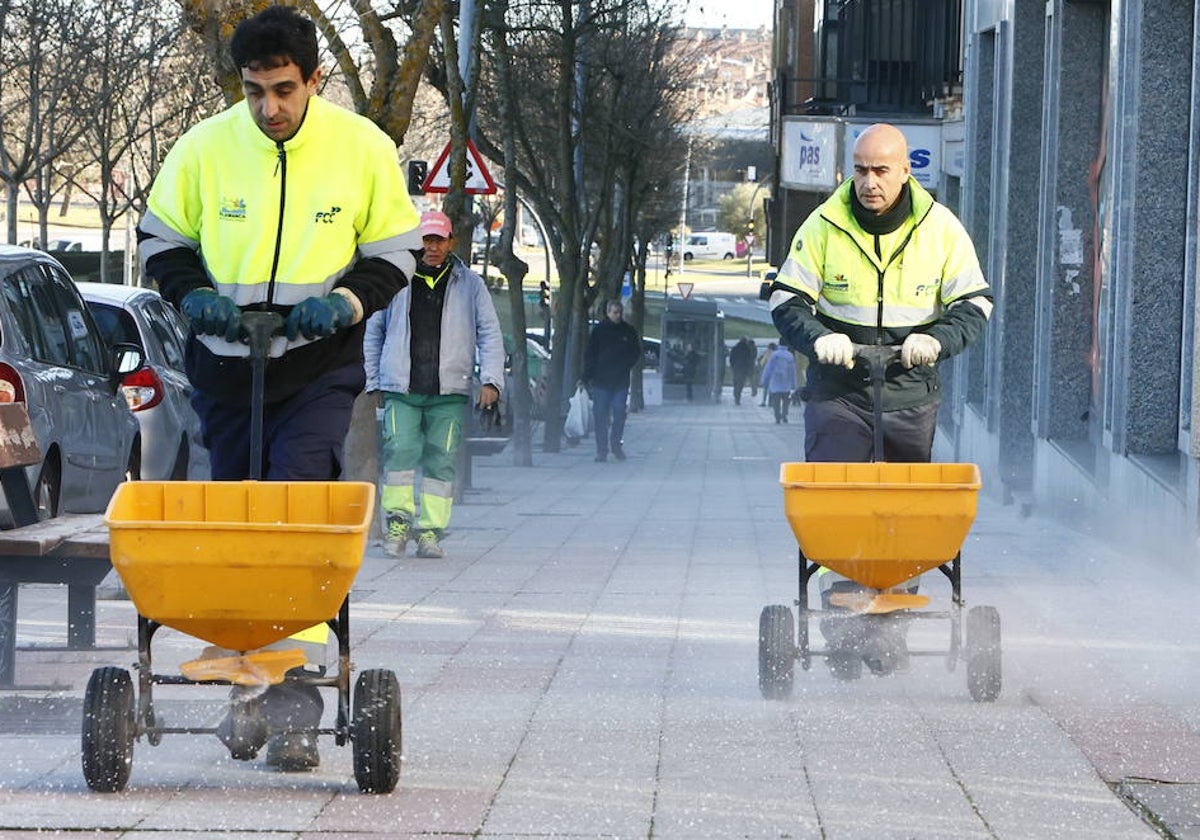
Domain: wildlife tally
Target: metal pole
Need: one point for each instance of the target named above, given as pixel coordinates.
(687, 173)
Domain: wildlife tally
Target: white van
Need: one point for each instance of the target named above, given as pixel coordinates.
(710, 245)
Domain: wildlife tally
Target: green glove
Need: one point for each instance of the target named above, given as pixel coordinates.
(212, 314)
(316, 317)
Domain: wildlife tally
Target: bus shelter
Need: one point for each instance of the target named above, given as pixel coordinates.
(692, 358)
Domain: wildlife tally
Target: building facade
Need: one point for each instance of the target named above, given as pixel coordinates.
(1080, 188)
(1071, 152)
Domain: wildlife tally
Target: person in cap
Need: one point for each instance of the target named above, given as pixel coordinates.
(420, 354)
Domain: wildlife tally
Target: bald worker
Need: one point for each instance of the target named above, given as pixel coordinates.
(878, 263)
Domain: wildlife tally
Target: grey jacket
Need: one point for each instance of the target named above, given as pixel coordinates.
(469, 323)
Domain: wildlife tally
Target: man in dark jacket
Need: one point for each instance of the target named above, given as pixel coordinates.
(612, 350)
(741, 363)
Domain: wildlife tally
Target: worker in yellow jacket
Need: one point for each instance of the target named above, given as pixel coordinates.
(287, 203)
(878, 263)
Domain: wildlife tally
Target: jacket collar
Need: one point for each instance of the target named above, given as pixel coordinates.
(312, 117)
(837, 207)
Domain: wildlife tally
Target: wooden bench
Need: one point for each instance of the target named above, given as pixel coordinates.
(71, 549)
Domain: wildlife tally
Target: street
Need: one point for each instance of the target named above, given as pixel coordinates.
(584, 664)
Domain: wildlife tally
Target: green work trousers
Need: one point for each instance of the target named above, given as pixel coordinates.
(421, 432)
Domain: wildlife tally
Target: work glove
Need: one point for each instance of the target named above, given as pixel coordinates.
(919, 349)
(316, 317)
(835, 349)
(212, 314)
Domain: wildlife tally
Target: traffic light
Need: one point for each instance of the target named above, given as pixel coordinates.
(418, 170)
(544, 301)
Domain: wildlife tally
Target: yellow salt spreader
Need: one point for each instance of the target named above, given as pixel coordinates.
(880, 526)
(241, 565)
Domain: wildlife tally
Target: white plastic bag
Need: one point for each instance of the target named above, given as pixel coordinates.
(579, 415)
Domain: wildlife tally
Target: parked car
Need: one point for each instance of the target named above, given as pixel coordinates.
(479, 244)
(55, 360)
(159, 392)
(764, 284)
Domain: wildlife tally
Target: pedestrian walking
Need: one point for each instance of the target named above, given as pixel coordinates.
(779, 380)
(419, 355)
(613, 349)
(741, 364)
(222, 234)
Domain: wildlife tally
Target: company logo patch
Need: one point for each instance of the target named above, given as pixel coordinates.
(927, 289)
(233, 209)
(326, 216)
(839, 283)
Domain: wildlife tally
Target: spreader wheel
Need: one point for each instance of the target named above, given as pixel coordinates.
(108, 730)
(376, 731)
(776, 652)
(983, 654)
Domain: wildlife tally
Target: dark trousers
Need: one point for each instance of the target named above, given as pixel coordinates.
(835, 430)
(302, 441)
(302, 436)
(780, 400)
(609, 407)
(739, 384)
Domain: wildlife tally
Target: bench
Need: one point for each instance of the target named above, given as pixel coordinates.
(71, 549)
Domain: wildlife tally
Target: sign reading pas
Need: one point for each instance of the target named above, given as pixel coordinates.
(479, 180)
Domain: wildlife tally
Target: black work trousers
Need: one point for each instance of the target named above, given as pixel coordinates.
(836, 430)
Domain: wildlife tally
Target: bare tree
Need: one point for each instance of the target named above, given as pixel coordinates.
(380, 77)
(41, 120)
(554, 79)
(133, 114)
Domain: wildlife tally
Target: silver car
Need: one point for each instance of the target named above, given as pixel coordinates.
(159, 392)
(54, 359)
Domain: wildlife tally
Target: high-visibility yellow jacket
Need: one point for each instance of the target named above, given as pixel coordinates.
(269, 224)
(923, 276)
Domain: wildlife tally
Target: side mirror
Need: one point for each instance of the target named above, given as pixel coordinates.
(126, 358)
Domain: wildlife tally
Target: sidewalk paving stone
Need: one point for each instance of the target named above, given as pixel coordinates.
(583, 664)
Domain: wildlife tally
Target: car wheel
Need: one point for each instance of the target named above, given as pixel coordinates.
(47, 490)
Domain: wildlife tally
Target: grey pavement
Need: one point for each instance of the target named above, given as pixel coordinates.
(583, 664)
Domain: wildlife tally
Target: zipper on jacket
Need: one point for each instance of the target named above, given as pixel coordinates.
(281, 171)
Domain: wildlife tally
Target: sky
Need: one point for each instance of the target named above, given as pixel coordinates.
(736, 14)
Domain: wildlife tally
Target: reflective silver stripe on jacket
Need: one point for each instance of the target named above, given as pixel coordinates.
(868, 316)
(963, 284)
(162, 238)
(395, 249)
(791, 273)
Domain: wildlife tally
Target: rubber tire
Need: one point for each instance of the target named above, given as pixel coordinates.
(984, 674)
(108, 730)
(47, 491)
(776, 652)
(376, 731)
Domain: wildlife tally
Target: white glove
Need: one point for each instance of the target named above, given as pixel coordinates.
(835, 349)
(919, 349)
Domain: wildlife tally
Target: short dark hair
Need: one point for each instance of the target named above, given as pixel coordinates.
(272, 38)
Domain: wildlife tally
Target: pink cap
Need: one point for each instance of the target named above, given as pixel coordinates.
(435, 223)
